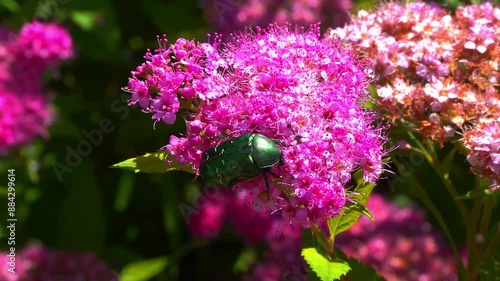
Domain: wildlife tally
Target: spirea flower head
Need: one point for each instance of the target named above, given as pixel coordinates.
(22, 117)
(436, 72)
(45, 44)
(400, 244)
(286, 84)
(37, 263)
(483, 145)
(228, 15)
(25, 111)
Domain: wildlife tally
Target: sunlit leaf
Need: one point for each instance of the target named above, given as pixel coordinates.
(326, 268)
(156, 162)
(144, 270)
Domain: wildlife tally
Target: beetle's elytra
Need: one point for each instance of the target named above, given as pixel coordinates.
(239, 159)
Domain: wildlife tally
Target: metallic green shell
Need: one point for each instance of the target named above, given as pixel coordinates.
(238, 159)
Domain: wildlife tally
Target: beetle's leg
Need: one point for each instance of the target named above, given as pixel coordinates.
(269, 171)
(267, 183)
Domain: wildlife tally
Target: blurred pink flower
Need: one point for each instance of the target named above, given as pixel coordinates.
(23, 116)
(37, 263)
(25, 111)
(45, 44)
(281, 257)
(400, 244)
(232, 16)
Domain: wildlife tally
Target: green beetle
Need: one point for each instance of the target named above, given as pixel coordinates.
(239, 159)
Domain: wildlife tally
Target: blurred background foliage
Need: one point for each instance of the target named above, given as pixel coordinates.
(121, 216)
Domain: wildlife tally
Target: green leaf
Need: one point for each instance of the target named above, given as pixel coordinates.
(325, 268)
(124, 192)
(245, 260)
(476, 193)
(448, 162)
(351, 214)
(359, 271)
(10, 5)
(156, 162)
(86, 20)
(144, 270)
(361, 209)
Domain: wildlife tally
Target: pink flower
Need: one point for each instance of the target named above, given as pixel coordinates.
(483, 146)
(437, 73)
(25, 111)
(37, 263)
(207, 220)
(444, 65)
(45, 43)
(232, 16)
(285, 84)
(23, 117)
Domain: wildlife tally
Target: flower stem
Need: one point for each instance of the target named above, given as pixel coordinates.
(325, 242)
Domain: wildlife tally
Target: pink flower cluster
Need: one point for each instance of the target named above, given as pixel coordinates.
(281, 258)
(232, 15)
(437, 73)
(37, 263)
(25, 111)
(286, 84)
(400, 244)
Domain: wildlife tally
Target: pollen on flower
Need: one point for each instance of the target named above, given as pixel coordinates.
(282, 82)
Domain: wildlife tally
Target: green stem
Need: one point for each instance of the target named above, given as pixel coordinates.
(436, 164)
(490, 249)
(484, 221)
(486, 215)
(433, 159)
(471, 236)
(325, 242)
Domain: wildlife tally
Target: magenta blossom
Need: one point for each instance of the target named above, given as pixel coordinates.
(229, 15)
(22, 117)
(45, 44)
(286, 84)
(25, 111)
(37, 263)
